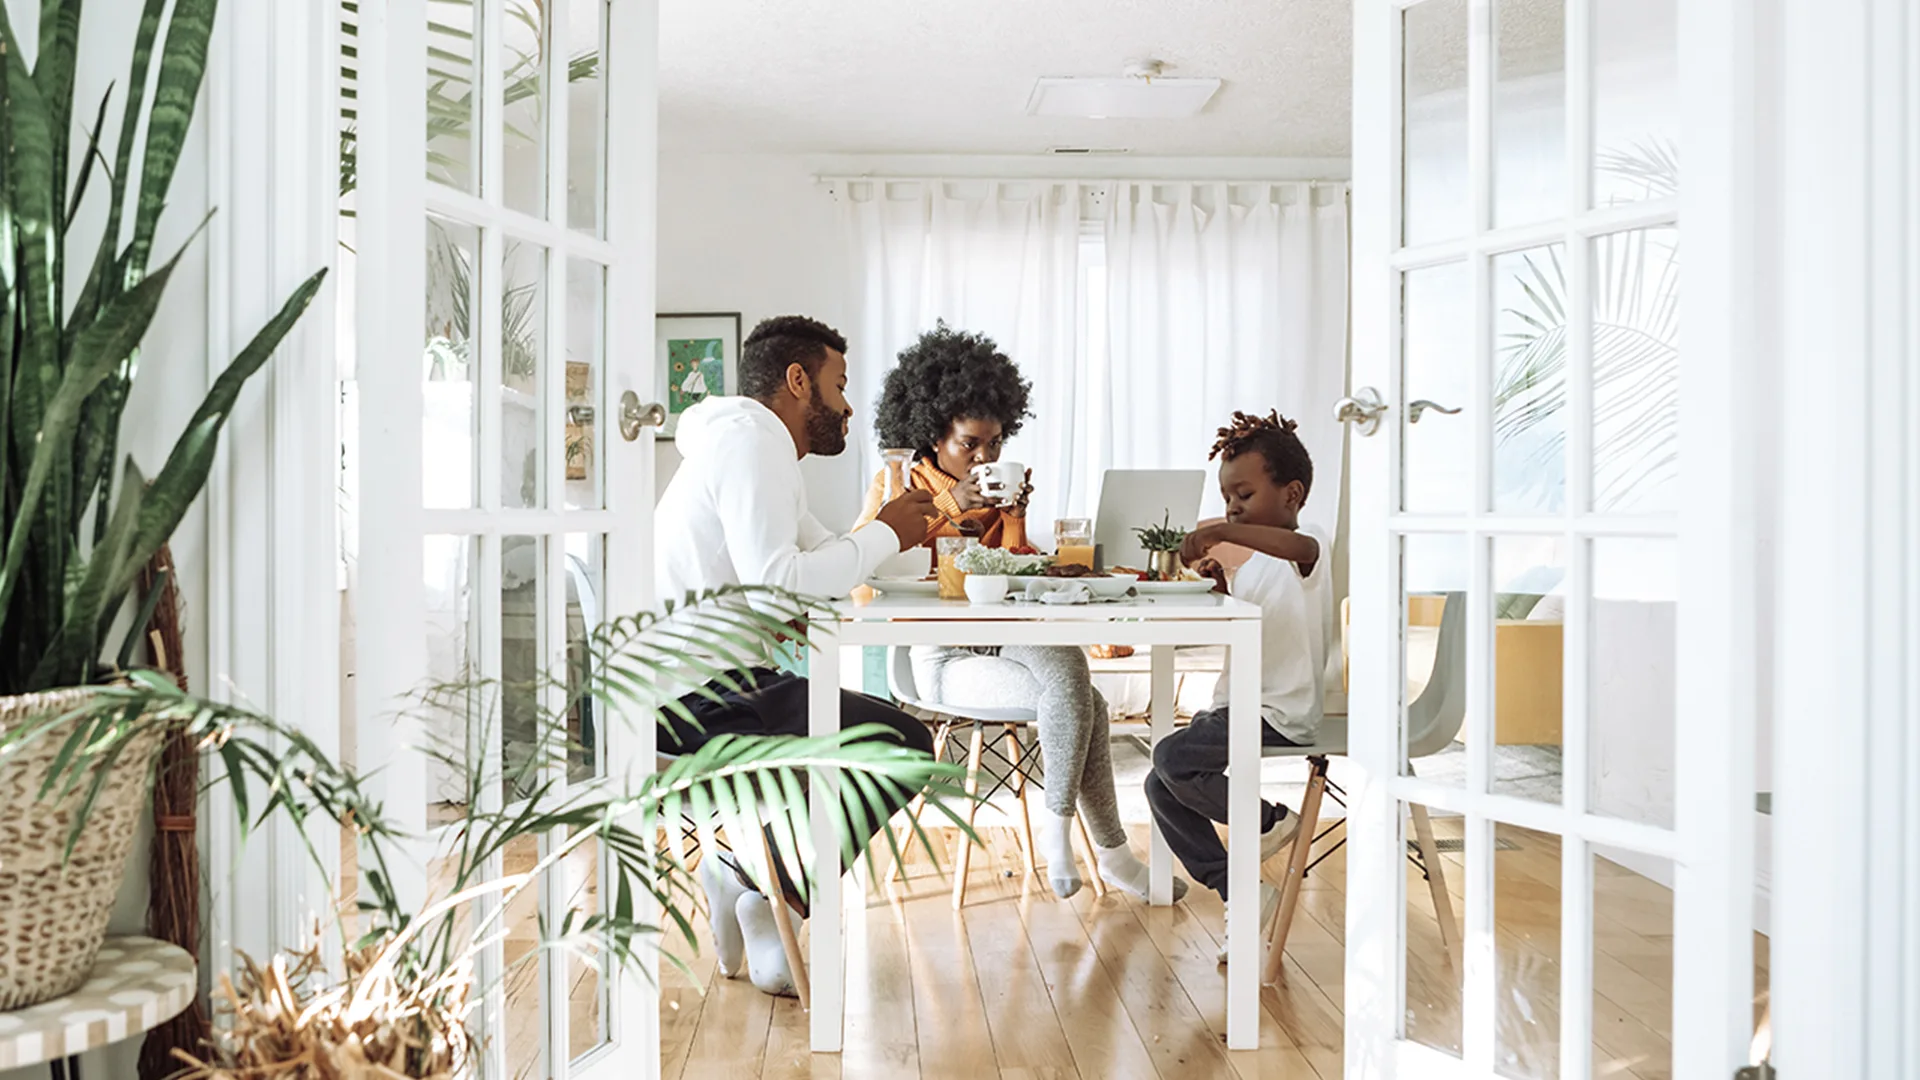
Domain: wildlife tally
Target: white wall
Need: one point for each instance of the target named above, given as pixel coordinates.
(171, 380)
(755, 233)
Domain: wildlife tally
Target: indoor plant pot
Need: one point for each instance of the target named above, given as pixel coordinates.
(78, 523)
(57, 902)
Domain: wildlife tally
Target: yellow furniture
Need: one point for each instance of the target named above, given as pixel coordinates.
(1528, 669)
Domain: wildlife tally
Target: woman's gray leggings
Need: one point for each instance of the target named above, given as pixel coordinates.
(1054, 681)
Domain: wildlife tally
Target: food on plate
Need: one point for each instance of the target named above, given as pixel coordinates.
(1188, 573)
(1071, 570)
(1140, 575)
(1110, 652)
(987, 560)
(1021, 549)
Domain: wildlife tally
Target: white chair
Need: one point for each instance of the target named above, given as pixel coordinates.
(901, 682)
(1433, 719)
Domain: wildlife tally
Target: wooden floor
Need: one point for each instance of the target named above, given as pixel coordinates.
(1022, 986)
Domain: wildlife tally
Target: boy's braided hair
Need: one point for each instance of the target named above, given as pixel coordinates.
(1273, 437)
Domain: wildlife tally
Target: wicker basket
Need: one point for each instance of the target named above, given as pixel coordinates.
(53, 913)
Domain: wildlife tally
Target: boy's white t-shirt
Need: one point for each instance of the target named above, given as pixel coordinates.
(1296, 624)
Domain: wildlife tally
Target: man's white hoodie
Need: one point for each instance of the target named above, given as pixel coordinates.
(736, 512)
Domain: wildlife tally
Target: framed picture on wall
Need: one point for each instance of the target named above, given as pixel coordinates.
(697, 357)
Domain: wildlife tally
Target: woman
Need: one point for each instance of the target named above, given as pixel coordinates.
(955, 399)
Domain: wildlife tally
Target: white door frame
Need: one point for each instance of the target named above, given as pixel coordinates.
(274, 629)
(394, 199)
(272, 619)
(1846, 978)
(1712, 843)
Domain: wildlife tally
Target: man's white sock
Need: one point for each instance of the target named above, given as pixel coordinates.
(723, 889)
(1122, 869)
(766, 956)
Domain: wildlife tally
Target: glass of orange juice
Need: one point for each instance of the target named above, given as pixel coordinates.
(953, 580)
(1073, 542)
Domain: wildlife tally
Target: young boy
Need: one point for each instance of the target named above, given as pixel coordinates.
(1265, 474)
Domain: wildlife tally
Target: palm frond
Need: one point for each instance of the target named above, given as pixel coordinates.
(1635, 285)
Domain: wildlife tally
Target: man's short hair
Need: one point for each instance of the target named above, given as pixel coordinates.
(779, 343)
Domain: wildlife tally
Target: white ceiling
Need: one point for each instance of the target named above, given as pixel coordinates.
(952, 76)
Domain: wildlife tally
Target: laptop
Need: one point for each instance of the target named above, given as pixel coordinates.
(1135, 498)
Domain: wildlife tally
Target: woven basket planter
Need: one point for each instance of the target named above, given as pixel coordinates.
(53, 910)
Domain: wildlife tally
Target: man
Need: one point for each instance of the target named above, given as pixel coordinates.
(736, 514)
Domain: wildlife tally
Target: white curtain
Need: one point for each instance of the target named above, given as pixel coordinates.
(1222, 297)
(999, 258)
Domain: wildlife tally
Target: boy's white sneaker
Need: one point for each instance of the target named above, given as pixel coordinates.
(1269, 903)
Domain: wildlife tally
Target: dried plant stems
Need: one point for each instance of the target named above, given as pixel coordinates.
(173, 864)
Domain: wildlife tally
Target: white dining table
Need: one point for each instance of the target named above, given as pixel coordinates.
(1162, 623)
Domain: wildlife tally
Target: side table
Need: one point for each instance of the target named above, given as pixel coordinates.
(136, 984)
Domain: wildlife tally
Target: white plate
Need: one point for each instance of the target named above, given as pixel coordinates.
(904, 586)
(1173, 588)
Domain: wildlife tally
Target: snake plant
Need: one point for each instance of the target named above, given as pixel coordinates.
(76, 526)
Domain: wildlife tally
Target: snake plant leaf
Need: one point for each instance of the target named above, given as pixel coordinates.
(29, 162)
(93, 155)
(53, 70)
(102, 284)
(185, 473)
(70, 660)
(99, 347)
(142, 618)
(7, 247)
(183, 64)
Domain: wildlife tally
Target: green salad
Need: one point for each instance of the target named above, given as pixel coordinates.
(990, 560)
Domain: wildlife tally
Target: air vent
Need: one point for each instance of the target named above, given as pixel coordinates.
(1089, 151)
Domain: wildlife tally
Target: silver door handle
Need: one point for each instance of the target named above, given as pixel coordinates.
(1363, 410)
(634, 416)
(1416, 408)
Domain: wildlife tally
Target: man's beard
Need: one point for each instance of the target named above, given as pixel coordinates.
(826, 433)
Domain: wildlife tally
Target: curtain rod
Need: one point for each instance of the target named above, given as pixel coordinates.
(836, 178)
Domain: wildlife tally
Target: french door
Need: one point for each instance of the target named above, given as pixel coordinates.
(1535, 450)
(500, 477)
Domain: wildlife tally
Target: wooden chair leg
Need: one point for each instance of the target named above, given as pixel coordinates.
(1093, 862)
(1436, 881)
(963, 862)
(1021, 789)
(1296, 867)
(789, 938)
(905, 839)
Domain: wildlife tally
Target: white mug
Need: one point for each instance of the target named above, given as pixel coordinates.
(1000, 481)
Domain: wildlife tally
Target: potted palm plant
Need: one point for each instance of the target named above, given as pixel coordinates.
(77, 524)
(402, 1004)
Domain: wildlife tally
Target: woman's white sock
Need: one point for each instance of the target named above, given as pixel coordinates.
(1056, 850)
(1120, 868)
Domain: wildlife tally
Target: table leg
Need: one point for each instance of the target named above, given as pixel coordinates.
(1243, 838)
(826, 964)
(67, 1068)
(1159, 856)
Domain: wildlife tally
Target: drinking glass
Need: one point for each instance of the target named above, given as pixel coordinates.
(1073, 542)
(897, 464)
(953, 580)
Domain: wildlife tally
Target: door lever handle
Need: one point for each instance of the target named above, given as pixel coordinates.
(1416, 408)
(1362, 410)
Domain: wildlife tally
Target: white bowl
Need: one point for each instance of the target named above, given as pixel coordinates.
(986, 588)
